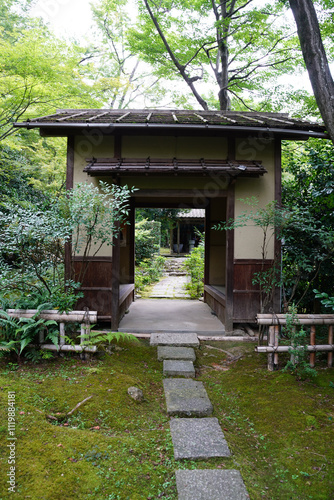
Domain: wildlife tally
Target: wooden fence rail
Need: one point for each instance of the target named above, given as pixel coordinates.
(85, 318)
(275, 321)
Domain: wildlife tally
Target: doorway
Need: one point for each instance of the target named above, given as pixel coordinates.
(146, 314)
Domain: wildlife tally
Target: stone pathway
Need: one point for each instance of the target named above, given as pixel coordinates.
(198, 435)
(172, 285)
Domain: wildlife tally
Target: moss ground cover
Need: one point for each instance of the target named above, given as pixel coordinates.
(279, 430)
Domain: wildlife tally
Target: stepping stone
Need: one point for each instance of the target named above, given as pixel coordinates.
(210, 485)
(178, 368)
(185, 353)
(197, 438)
(174, 339)
(186, 398)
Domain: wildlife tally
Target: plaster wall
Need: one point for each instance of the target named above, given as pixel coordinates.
(248, 240)
(208, 186)
(86, 147)
(170, 147)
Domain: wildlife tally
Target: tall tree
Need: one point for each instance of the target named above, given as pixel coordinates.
(233, 43)
(120, 79)
(308, 193)
(38, 71)
(315, 59)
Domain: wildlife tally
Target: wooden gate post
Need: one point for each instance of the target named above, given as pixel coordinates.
(115, 280)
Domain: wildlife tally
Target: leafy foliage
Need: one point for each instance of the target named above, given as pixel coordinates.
(105, 339)
(296, 335)
(325, 300)
(307, 237)
(15, 179)
(94, 215)
(149, 271)
(166, 216)
(37, 72)
(17, 334)
(195, 267)
(232, 45)
(32, 253)
(118, 77)
(32, 248)
(308, 251)
(148, 237)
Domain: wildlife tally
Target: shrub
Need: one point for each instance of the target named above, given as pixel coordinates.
(296, 335)
(32, 247)
(194, 265)
(16, 334)
(148, 272)
(148, 235)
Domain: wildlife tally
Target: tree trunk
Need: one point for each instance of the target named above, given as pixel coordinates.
(224, 100)
(315, 59)
(222, 38)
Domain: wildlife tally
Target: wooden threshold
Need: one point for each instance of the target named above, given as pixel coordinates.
(124, 291)
(218, 295)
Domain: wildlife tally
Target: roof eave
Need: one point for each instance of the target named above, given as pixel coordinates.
(269, 131)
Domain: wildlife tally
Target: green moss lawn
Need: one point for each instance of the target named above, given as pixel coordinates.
(280, 431)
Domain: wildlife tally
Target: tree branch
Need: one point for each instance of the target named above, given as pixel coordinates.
(177, 64)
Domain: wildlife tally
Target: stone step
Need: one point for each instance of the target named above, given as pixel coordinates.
(210, 485)
(178, 368)
(186, 398)
(198, 438)
(184, 353)
(174, 339)
(177, 273)
(172, 295)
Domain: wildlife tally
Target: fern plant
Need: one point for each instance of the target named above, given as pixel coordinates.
(17, 334)
(105, 339)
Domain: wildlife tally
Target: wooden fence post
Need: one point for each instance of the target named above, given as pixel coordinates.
(82, 333)
(292, 356)
(312, 342)
(271, 343)
(61, 334)
(330, 341)
(41, 336)
(276, 336)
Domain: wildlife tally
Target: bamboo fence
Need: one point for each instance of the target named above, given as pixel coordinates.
(275, 321)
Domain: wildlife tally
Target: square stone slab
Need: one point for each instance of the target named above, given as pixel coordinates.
(174, 339)
(186, 398)
(178, 368)
(198, 438)
(185, 353)
(210, 485)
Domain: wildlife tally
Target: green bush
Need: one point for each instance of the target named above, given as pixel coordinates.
(16, 334)
(326, 300)
(148, 236)
(148, 272)
(194, 265)
(33, 238)
(298, 364)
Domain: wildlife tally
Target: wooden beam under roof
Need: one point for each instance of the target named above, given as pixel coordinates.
(174, 166)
